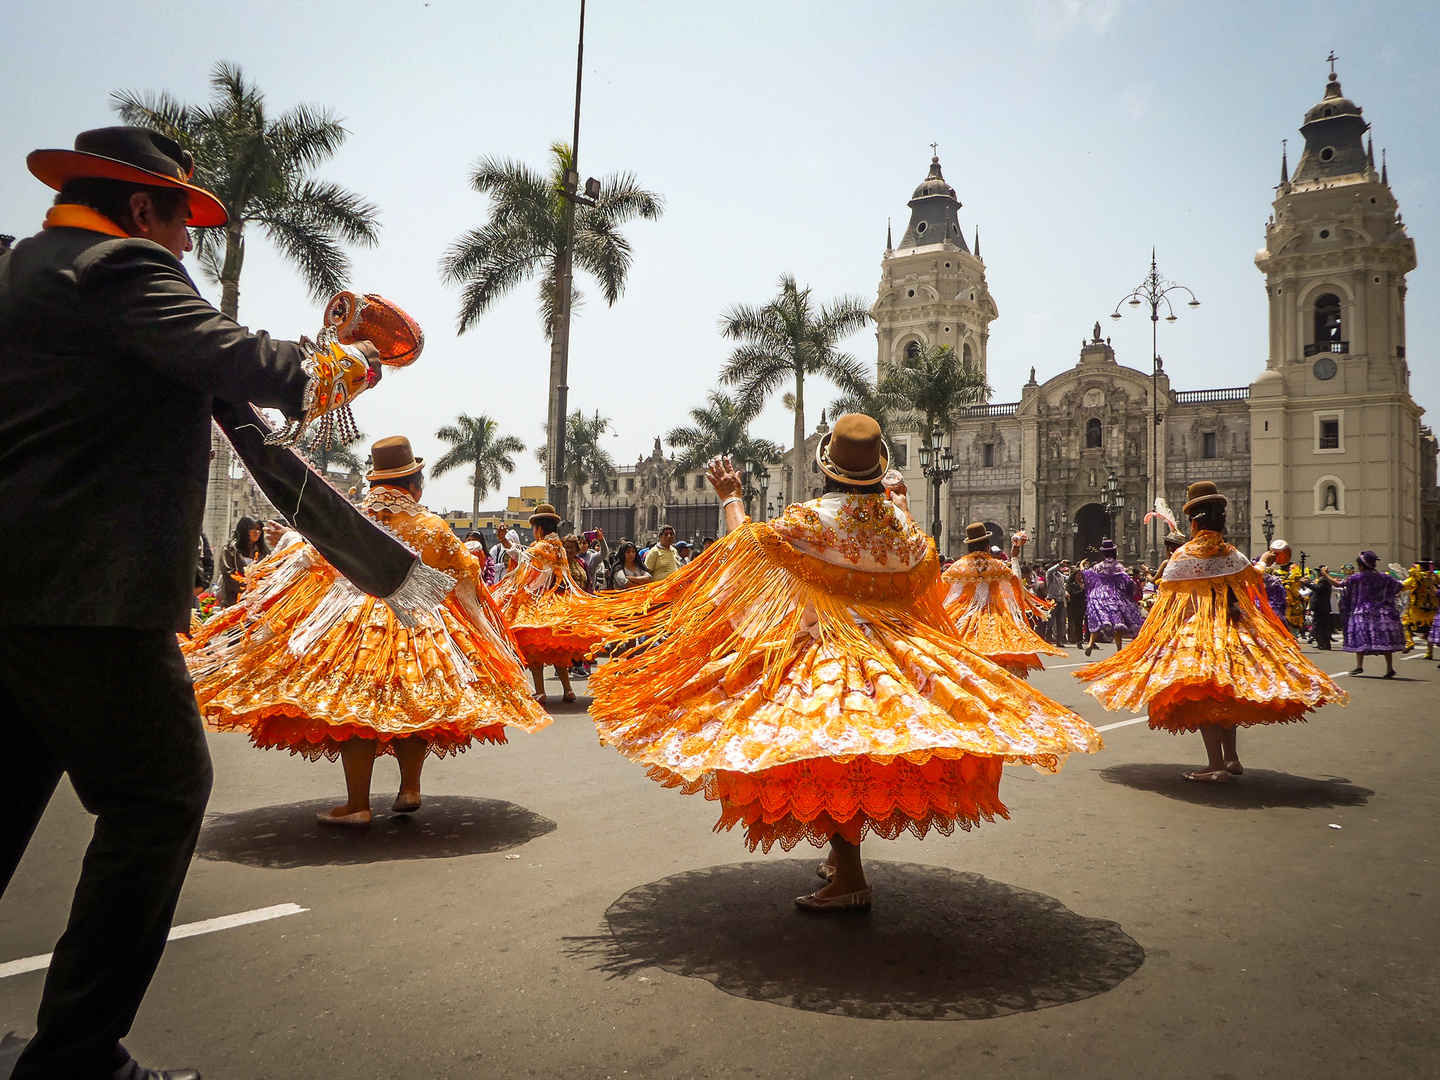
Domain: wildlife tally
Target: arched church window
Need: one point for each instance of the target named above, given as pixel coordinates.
(912, 350)
(1327, 319)
(967, 355)
(1093, 434)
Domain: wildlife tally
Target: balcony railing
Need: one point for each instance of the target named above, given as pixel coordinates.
(1195, 397)
(1009, 408)
(1317, 347)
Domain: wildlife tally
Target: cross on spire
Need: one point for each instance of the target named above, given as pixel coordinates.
(1331, 59)
(934, 149)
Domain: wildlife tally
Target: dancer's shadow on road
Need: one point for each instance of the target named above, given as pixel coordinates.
(939, 944)
(447, 826)
(1258, 789)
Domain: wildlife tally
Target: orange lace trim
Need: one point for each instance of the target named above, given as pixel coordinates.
(314, 739)
(1189, 707)
(813, 800)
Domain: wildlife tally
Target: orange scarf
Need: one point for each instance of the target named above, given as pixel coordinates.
(71, 216)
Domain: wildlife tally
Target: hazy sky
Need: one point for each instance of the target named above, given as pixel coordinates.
(783, 136)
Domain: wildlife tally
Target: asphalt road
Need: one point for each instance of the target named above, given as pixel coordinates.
(551, 912)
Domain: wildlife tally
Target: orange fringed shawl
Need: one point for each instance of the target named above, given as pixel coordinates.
(804, 674)
(990, 608)
(1211, 651)
(308, 661)
(534, 598)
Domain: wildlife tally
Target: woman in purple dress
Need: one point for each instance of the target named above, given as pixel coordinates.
(1372, 622)
(1110, 606)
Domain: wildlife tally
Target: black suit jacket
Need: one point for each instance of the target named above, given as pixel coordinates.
(110, 364)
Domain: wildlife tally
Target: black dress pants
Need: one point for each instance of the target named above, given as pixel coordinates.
(113, 708)
(1075, 614)
(1323, 629)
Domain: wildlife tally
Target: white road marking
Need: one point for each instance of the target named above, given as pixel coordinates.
(1123, 723)
(205, 926)
(1057, 667)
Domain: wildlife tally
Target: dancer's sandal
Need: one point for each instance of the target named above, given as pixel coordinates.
(406, 803)
(852, 903)
(1234, 768)
(1208, 776)
(569, 696)
(358, 820)
(824, 871)
(1389, 674)
(1357, 671)
(540, 698)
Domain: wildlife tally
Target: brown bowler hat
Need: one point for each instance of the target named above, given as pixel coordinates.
(392, 458)
(853, 452)
(977, 537)
(138, 155)
(545, 513)
(1201, 493)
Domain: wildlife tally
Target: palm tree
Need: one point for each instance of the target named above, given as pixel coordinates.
(788, 339)
(526, 231)
(881, 405)
(332, 452)
(260, 167)
(473, 442)
(586, 461)
(931, 388)
(720, 427)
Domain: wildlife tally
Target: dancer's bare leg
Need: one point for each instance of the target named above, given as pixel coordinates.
(1228, 751)
(537, 674)
(1119, 641)
(357, 756)
(1215, 771)
(564, 674)
(849, 874)
(410, 755)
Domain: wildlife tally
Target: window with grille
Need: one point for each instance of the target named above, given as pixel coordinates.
(1207, 444)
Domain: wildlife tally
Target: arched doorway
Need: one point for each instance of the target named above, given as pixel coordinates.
(997, 538)
(1094, 525)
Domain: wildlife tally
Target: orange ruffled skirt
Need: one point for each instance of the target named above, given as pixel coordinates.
(1194, 663)
(450, 680)
(995, 624)
(874, 720)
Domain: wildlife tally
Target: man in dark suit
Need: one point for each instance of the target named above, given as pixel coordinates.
(110, 366)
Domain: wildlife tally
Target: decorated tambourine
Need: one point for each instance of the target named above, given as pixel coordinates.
(339, 372)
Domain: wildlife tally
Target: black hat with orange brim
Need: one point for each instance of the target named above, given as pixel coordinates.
(136, 155)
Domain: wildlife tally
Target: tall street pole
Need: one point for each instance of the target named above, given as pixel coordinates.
(1154, 291)
(560, 329)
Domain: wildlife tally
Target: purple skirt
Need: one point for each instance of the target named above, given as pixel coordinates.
(1374, 629)
(1108, 611)
(1435, 630)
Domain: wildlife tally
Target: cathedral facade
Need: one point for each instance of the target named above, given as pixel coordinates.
(1325, 448)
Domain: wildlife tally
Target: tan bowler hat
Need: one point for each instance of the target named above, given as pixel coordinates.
(853, 452)
(392, 458)
(1201, 493)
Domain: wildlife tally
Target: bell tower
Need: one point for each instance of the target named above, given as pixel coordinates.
(1335, 434)
(932, 287)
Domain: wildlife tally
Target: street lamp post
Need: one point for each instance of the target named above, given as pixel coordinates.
(938, 465)
(560, 327)
(1267, 526)
(1154, 291)
(1114, 500)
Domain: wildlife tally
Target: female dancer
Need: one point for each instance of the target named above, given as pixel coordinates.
(1212, 657)
(991, 608)
(803, 673)
(1372, 622)
(532, 599)
(1110, 606)
(310, 663)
